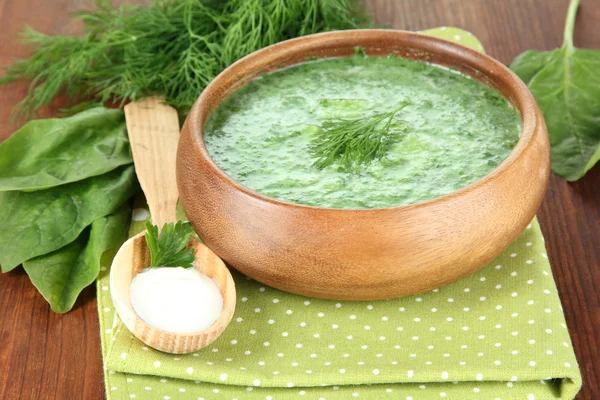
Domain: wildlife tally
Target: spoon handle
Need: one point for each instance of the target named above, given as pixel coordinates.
(153, 130)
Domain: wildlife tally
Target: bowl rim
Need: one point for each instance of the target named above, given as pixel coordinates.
(479, 62)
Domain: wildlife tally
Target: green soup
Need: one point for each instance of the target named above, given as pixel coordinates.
(455, 130)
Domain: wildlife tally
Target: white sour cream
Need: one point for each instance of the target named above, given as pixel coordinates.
(180, 300)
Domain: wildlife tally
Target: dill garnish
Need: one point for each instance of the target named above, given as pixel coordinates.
(351, 143)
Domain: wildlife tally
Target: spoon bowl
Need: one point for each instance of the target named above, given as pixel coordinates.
(131, 259)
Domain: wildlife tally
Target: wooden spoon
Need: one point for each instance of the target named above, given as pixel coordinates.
(154, 133)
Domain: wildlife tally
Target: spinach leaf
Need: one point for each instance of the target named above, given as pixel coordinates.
(36, 223)
(51, 152)
(61, 275)
(566, 84)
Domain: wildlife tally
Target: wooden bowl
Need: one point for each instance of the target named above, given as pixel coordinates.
(363, 254)
(135, 253)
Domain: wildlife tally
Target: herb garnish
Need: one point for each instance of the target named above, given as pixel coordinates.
(168, 248)
(566, 85)
(354, 142)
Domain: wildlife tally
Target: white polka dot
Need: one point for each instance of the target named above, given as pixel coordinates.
(548, 330)
(481, 336)
(530, 302)
(450, 300)
(464, 346)
(113, 388)
(234, 341)
(444, 375)
(448, 338)
(434, 309)
(384, 318)
(369, 307)
(532, 363)
(123, 355)
(284, 334)
(418, 299)
(367, 327)
(182, 390)
(515, 333)
(257, 310)
(316, 335)
(410, 373)
(247, 352)
(275, 301)
(140, 214)
(498, 307)
(375, 372)
(568, 365)
(432, 329)
(331, 346)
(239, 319)
(466, 309)
(415, 338)
(299, 345)
(256, 382)
(252, 331)
(498, 286)
(531, 341)
(547, 310)
(482, 298)
(442, 394)
(129, 380)
(399, 329)
(417, 319)
(467, 290)
(476, 390)
(530, 396)
(381, 337)
(289, 312)
(342, 371)
(308, 371)
(271, 322)
(412, 355)
(482, 279)
(498, 344)
(549, 352)
(190, 370)
(364, 346)
(320, 315)
(132, 396)
(353, 317)
(479, 377)
(497, 362)
(529, 262)
(482, 318)
(223, 377)
(261, 289)
(334, 326)
(402, 309)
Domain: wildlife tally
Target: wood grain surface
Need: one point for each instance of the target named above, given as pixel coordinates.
(44, 355)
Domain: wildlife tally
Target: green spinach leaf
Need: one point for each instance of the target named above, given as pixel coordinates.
(566, 84)
(36, 223)
(50, 152)
(61, 275)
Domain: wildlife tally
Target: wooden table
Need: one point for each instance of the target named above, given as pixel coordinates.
(51, 356)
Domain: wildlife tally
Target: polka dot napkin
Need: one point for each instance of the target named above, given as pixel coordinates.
(497, 334)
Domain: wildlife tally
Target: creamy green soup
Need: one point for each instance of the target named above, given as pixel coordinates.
(454, 130)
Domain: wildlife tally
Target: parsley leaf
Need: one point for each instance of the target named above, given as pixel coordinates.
(168, 248)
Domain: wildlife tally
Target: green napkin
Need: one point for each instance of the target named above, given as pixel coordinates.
(497, 334)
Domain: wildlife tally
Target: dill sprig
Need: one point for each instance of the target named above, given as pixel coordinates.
(351, 143)
(172, 48)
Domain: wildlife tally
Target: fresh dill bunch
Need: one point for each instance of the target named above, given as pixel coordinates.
(172, 48)
(351, 143)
